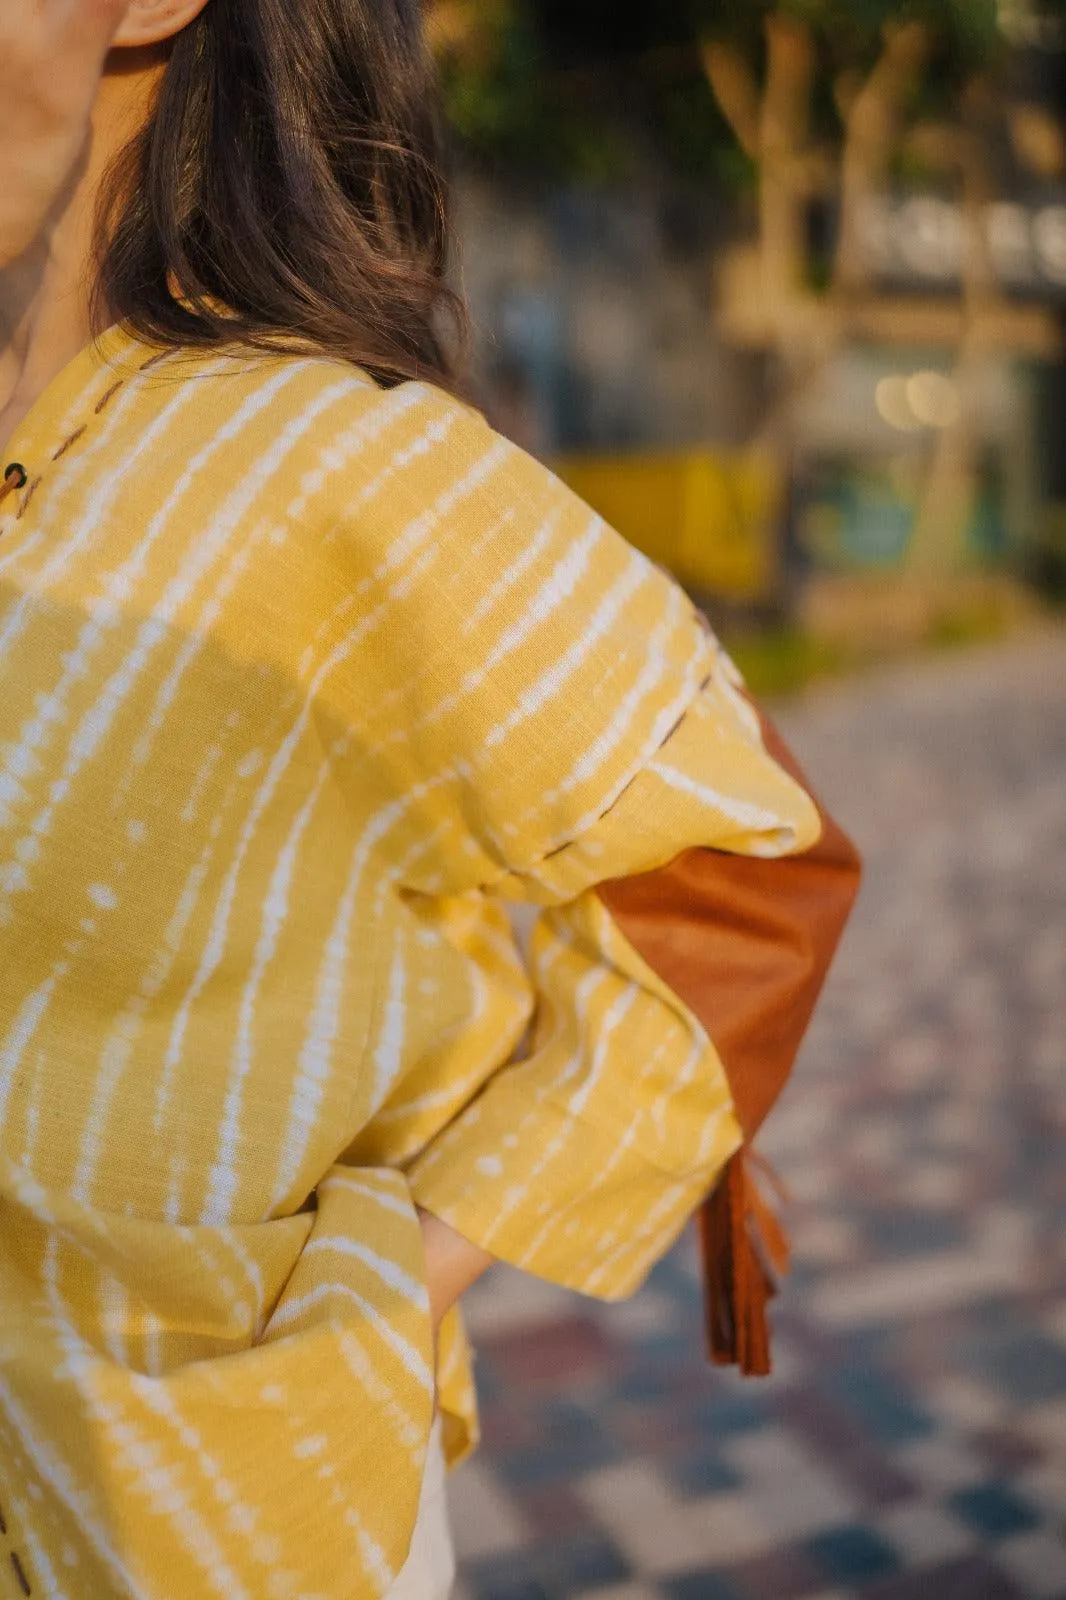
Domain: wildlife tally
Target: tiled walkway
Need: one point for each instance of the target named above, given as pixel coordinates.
(912, 1442)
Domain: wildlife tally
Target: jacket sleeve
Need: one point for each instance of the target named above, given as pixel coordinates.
(549, 721)
(672, 1001)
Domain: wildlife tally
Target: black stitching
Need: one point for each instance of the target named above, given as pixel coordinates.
(15, 475)
(24, 1582)
(621, 794)
(570, 843)
(20, 1571)
(674, 729)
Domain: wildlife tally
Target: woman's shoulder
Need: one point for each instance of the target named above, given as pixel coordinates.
(303, 374)
(315, 403)
(373, 454)
(317, 418)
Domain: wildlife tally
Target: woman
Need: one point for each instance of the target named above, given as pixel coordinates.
(305, 675)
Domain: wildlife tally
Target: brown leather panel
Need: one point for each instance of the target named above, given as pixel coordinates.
(745, 942)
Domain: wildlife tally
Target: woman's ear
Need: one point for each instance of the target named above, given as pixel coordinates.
(154, 21)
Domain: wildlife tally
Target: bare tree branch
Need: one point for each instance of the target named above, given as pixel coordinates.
(784, 133)
(872, 116)
(785, 119)
(734, 88)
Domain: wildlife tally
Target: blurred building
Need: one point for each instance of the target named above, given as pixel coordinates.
(594, 316)
(880, 343)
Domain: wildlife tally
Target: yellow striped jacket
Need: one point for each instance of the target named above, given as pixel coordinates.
(303, 683)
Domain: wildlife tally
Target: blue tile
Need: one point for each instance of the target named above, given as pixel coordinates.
(880, 1404)
(556, 1460)
(1024, 1366)
(666, 1349)
(686, 1296)
(581, 1561)
(993, 1510)
(972, 1577)
(506, 1577)
(706, 1585)
(724, 1414)
(703, 1472)
(549, 1570)
(914, 1233)
(563, 1420)
(852, 1555)
(646, 1385)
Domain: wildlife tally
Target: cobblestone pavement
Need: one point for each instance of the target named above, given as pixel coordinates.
(912, 1441)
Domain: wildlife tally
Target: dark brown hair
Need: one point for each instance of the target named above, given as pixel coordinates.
(287, 191)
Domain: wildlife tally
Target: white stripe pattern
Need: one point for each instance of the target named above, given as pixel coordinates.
(299, 680)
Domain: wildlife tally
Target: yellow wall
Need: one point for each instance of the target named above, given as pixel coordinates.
(707, 517)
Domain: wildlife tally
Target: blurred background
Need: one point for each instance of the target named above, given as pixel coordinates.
(779, 286)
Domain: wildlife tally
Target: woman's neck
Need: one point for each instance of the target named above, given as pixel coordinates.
(45, 320)
(46, 297)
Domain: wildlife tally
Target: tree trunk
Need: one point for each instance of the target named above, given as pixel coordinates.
(945, 511)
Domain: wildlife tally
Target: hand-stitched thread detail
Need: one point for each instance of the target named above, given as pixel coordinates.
(15, 475)
(109, 395)
(681, 719)
(570, 843)
(26, 498)
(24, 1582)
(20, 1571)
(74, 437)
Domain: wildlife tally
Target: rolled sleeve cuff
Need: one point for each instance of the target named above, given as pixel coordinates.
(558, 1196)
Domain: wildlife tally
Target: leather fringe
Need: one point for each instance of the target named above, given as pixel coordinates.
(744, 1251)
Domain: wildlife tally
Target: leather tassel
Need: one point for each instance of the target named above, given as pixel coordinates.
(744, 1248)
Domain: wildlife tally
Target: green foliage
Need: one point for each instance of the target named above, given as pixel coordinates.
(694, 138)
(784, 660)
(583, 90)
(494, 88)
(849, 34)
(507, 106)
(857, 24)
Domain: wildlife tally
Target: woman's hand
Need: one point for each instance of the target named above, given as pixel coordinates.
(453, 1265)
(52, 55)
